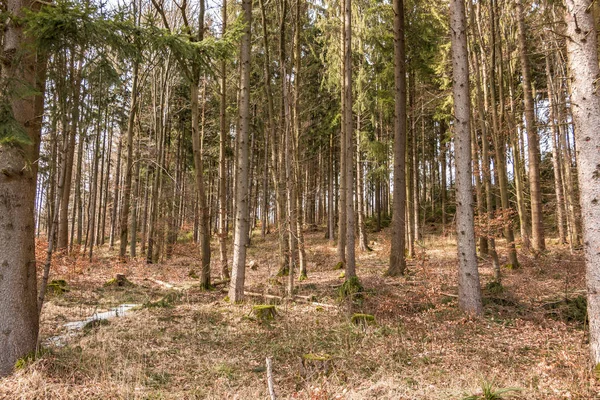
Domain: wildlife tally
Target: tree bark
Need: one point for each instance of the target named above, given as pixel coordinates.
(18, 286)
(348, 135)
(469, 291)
(397, 258)
(236, 290)
(533, 142)
(583, 62)
(124, 224)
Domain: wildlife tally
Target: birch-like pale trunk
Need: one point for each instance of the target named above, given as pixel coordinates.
(584, 73)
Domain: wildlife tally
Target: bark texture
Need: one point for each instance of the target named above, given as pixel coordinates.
(18, 288)
(583, 62)
(236, 290)
(397, 260)
(469, 291)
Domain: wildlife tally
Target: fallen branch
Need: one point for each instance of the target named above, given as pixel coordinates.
(270, 379)
(303, 299)
(449, 295)
(164, 284)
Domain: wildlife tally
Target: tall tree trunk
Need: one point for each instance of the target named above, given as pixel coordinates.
(469, 291)
(115, 202)
(500, 145)
(397, 259)
(533, 142)
(558, 185)
(223, 140)
(18, 305)
(63, 224)
(341, 245)
(582, 48)
(348, 135)
(129, 164)
(236, 290)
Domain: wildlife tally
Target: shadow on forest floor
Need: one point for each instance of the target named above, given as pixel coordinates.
(189, 343)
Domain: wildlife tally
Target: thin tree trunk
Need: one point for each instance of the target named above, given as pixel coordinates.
(558, 185)
(533, 142)
(236, 290)
(129, 164)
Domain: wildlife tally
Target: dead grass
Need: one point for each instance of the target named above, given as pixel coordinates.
(421, 346)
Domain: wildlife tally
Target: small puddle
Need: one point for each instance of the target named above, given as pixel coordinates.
(73, 327)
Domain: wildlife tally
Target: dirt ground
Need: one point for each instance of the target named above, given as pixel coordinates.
(185, 343)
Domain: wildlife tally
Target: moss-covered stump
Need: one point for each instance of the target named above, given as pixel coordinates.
(119, 281)
(363, 319)
(315, 364)
(58, 287)
(351, 288)
(284, 270)
(264, 312)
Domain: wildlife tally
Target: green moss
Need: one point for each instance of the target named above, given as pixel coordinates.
(339, 265)
(29, 358)
(226, 299)
(264, 312)
(494, 287)
(319, 309)
(302, 277)
(342, 275)
(511, 267)
(364, 319)
(283, 271)
(351, 288)
(119, 281)
(58, 287)
(569, 310)
(165, 302)
(95, 324)
(597, 371)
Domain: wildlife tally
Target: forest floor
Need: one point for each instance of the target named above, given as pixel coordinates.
(185, 343)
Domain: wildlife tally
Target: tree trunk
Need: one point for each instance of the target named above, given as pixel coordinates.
(469, 291)
(236, 290)
(63, 224)
(583, 62)
(129, 165)
(223, 140)
(18, 305)
(533, 142)
(348, 135)
(558, 185)
(397, 259)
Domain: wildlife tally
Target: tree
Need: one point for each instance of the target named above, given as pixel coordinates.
(348, 136)
(397, 260)
(22, 74)
(583, 64)
(533, 141)
(240, 237)
(469, 291)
